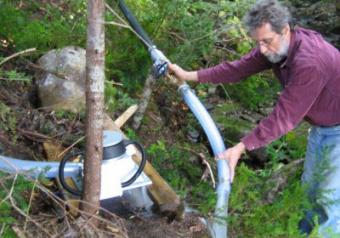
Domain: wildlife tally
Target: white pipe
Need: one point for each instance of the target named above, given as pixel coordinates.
(218, 226)
(36, 168)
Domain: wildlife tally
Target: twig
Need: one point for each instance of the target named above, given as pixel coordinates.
(38, 67)
(126, 25)
(17, 54)
(2, 229)
(30, 202)
(18, 232)
(44, 224)
(68, 148)
(11, 191)
(114, 83)
(116, 14)
(27, 217)
(34, 133)
(177, 36)
(116, 24)
(205, 162)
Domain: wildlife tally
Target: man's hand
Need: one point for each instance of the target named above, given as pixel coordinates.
(232, 155)
(182, 74)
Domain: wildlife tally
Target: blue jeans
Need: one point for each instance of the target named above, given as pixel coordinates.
(321, 175)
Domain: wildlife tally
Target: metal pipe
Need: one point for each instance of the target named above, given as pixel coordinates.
(218, 226)
(36, 168)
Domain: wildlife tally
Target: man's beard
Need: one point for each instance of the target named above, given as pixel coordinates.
(280, 55)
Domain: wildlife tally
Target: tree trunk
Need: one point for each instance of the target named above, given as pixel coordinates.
(95, 63)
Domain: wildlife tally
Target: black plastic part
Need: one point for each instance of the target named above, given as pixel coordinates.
(134, 23)
(62, 164)
(160, 69)
(141, 166)
(114, 151)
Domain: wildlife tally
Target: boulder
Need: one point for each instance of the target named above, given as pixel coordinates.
(61, 86)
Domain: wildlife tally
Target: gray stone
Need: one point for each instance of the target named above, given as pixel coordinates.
(193, 135)
(62, 85)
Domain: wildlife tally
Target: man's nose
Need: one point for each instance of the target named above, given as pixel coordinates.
(263, 49)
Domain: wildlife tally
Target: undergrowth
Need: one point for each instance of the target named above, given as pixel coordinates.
(13, 191)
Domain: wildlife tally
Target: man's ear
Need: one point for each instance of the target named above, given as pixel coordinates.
(286, 30)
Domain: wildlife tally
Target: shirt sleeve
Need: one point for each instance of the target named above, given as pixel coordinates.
(303, 89)
(232, 72)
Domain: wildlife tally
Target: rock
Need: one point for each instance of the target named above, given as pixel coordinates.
(193, 135)
(62, 86)
(208, 106)
(212, 89)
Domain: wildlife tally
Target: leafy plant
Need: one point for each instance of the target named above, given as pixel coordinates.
(116, 100)
(290, 147)
(251, 217)
(12, 190)
(174, 164)
(44, 27)
(14, 75)
(8, 121)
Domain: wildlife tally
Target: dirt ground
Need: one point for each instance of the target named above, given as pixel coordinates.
(190, 227)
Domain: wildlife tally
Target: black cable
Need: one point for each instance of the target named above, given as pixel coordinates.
(62, 174)
(141, 166)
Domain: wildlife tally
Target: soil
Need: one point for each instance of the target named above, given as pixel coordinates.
(190, 226)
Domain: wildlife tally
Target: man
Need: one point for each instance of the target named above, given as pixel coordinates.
(308, 69)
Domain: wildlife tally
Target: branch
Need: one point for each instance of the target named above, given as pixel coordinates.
(17, 54)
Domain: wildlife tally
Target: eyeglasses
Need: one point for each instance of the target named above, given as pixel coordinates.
(267, 41)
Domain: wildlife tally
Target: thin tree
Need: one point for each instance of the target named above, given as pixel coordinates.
(95, 64)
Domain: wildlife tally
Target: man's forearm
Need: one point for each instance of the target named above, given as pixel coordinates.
(192, 76)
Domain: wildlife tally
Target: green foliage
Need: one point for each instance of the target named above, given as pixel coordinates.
(255, 91)
(12, 188)
(66, 114)
(290, 147)
(116, 100)
(8, 121)
(13, 75)
(175, 165)
(44, 27)
(251, 217)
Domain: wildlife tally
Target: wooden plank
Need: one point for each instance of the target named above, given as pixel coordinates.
(122, 119)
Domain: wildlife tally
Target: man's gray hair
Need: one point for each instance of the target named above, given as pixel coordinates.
(267, 11)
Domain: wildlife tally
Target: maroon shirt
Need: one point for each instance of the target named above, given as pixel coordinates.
(310, 77)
